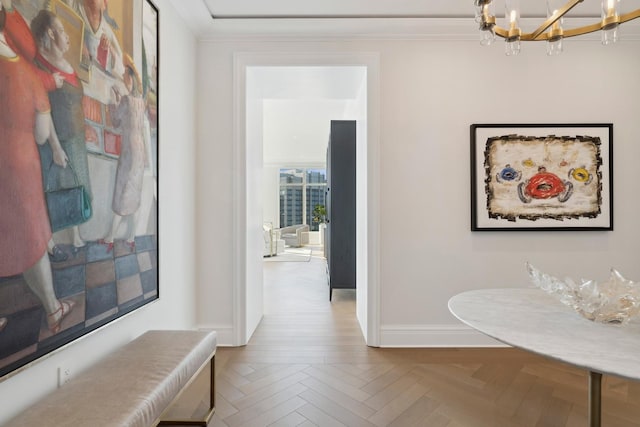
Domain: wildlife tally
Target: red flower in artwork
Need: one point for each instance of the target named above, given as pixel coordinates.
(544, 185)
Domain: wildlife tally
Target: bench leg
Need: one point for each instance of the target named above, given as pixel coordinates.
(212, 404)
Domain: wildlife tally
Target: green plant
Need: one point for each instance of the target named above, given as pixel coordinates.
(319, 214)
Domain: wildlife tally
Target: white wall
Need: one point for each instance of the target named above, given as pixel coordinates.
(358, 111)
(174, 309)
(296, 132)
(254, 216)
(431, 90)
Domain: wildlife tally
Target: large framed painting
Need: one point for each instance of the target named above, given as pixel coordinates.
(541, 177)
(78, 166)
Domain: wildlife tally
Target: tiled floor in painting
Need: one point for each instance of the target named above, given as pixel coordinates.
(102, 283)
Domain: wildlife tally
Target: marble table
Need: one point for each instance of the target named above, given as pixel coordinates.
(532, 320)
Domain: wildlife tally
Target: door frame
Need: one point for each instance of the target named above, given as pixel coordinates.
(240, 259)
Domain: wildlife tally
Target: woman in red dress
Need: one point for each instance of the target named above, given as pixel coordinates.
(25, 119)
(18, 36)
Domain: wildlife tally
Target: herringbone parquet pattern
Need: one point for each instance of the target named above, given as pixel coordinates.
(307, 365)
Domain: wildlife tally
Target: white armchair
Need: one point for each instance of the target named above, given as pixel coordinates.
(295, 235)
(273, 244)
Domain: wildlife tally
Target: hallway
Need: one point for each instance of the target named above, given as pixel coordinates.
(307, 365)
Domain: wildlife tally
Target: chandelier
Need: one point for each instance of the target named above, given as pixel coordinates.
(551, 30)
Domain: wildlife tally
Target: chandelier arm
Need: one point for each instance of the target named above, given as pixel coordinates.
(525, 37)
(578, 31)
(552, 19)
(530, 37)
(501, 32)
(599, 26)
(625, 17)
(583, 30)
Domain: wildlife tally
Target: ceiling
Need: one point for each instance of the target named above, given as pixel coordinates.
(220, 17)
(368, 8)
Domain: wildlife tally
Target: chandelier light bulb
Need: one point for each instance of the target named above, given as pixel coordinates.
(512, 14)
(487, 37)
(554, 47)
(512, 48)
(610, 36)
(610, 21)
(478, 15)
(487, 21)
(556, 34)
(481, 6)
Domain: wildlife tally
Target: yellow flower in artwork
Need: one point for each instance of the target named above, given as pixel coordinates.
(580, 174)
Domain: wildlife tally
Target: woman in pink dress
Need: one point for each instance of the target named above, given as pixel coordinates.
(25, 119)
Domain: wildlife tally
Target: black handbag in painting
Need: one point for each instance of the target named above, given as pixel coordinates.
(68, 206)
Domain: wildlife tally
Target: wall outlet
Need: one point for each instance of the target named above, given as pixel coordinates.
(64, 375)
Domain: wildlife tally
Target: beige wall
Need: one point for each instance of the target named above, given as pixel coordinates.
(431, 90)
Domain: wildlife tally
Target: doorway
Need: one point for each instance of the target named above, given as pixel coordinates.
(254, 102)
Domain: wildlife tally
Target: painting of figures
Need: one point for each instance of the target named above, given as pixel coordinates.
(541, 177)
(78, 163)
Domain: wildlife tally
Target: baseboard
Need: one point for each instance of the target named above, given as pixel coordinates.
(224, 334)
(411, 336)
(408, 336)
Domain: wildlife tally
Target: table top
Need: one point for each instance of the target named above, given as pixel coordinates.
(532, 320)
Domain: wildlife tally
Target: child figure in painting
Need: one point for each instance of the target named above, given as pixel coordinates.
(127, 114)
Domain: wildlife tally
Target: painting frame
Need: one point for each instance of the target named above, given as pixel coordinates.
(92, 281)
(541, 177)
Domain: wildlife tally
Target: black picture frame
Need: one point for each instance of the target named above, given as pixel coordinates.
(541, 177)
(113, 269)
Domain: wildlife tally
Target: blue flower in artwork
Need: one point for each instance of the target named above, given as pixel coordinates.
(509, 174)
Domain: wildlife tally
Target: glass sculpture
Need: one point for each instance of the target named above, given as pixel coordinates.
(615, 301)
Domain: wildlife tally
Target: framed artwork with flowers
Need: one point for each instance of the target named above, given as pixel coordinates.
(541, 177)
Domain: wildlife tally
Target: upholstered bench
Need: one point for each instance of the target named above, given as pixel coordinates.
(134, 386)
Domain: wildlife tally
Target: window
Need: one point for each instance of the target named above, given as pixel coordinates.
(301, 190)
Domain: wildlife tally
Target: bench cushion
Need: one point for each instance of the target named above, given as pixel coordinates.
(130, 387)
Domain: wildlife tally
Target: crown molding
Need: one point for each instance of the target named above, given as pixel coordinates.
(207, 29)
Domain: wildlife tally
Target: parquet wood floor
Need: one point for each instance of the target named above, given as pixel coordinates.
(307, 365)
